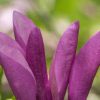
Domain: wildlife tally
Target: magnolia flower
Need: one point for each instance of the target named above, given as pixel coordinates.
(24, 64)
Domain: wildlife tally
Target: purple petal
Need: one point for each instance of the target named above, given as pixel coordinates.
(22, 28)
(62, 61)
(6, 40)
(84, 69)
(36, 58)
(17, 71)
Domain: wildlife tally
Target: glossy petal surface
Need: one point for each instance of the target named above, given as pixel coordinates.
(36, 58)
(22, 28)
(84, 69)
(17, 71)
(62, 61)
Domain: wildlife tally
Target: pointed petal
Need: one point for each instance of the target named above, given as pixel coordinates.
(84, 69)
(62, 61)
(17, 71)
(36, 58)
(22, 28)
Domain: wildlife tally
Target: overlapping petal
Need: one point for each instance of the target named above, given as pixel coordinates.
(62, 61)
(34, 49)
(35, 56)
(22, 28)
(6, 40)
(17, 71)
(84, 69)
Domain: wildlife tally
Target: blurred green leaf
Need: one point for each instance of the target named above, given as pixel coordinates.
(3, 2)
(1, 74)
(13, 98)
(96, 1)
(42, 20)
(66, 7)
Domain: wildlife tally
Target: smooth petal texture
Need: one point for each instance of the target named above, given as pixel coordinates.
(36, 58)
(17, 71)
(6, 40)
(22, 28)
(84, 69)
(62, 61)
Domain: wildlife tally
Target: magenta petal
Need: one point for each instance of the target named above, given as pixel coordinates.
(84, 69)
(36, 58)
(17, 71)
(22, 28)
(62, 61)
(6, 40)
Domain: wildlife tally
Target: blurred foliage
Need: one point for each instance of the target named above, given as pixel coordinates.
(40, 20)
(1, 73)
(3, 2)
(96, 1)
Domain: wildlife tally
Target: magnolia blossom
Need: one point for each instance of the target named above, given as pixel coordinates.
(24, 64)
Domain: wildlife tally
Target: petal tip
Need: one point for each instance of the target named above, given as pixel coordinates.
(77, 22)
(16, 16)
(75, 25)
(16, 13)
(97, 32)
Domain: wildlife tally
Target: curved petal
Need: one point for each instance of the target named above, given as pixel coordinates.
(62, 61)
(6, 40)
(36, 58)
(22, 28)
(17, 72)
(84, 69)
